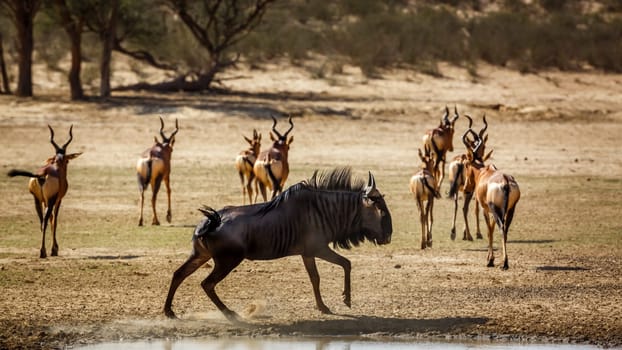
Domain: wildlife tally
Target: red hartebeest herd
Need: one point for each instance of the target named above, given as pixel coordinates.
(496, 192)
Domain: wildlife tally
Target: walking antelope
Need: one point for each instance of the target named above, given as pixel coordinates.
(244, 164)
(440, 140)
(457, 178)
(272, 168)
(497, 193)
(153, 167)
(48, 186)
(423, 187)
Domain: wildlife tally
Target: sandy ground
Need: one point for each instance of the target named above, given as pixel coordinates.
(562, 126)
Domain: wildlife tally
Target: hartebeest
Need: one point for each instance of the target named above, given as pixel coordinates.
(48, 186)
(423, 188)
(497, 193)
(272, 167)
(153, 167)
(457, 179)
(244, 163)
(440, 141)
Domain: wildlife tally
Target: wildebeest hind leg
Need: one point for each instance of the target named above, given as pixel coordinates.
(315, 282)
(195, 261)
(222, 267)
(330, 256)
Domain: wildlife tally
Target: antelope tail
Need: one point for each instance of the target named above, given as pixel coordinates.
(453, 189)
(275, 181)
(430, 188)
(499, 213)
(16, 172)
(143, 182)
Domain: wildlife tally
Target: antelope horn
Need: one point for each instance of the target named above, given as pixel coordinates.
(176, 129)
(162, 129)
(446, 116)
(456, 115)
(52, 139)
(470, 120)
(274, 127)
(476, 149)
(464, 139)
(481, 132)
(291, 123)
(70, 137)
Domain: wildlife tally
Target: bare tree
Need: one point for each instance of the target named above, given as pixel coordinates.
(217, 25)
(22, 13)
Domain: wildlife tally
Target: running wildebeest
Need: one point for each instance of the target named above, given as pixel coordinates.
(330, 207)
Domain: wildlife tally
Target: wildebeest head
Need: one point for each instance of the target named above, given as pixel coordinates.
(376, 219)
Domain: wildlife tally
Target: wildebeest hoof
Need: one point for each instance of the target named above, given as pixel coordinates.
(232, 316)
(347, 301)
(324, 309)
(170, 314)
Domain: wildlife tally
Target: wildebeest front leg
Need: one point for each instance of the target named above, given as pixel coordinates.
(314, 276)
(222, 267)
(330, 256)
(188, 268)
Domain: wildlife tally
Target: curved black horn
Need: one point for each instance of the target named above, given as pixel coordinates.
(52, 138)
(475, 141)
(70, 137)
(446, 116)
(470, 120)
(274, 127)
(176, 128)
(371, 182)
(456, 115)
(481, 132)
(162, 129)
(291, 123)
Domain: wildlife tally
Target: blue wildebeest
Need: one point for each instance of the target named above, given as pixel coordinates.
(153, 167)
(330, 207)
(48, 186)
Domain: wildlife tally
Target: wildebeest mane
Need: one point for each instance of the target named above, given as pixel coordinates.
(338, 179)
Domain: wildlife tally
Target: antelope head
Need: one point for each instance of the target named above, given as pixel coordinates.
(281, 141)
(427, 161)
(166, 146)
(255, 142)
(61, 156)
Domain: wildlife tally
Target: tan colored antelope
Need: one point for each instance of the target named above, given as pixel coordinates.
(497, 193)
(272, 167)
(244, 163)
(423, 187)
(48, 186)
(457, 179)
(153, 167)
(440, 141)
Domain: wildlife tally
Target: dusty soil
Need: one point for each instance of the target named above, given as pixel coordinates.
(558, 133)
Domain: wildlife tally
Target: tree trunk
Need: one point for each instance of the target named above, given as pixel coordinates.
(74, 31)
(108, 38)
(6, 88)
(24, 18)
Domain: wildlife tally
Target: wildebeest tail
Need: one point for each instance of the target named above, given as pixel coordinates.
(453, 188)
(211, 222)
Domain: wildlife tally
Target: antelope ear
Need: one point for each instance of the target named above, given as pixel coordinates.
(155, 138)
(272, 137)
(259, 137)
(247, 139)
(73, 155)
(291, 139)
(488, 155)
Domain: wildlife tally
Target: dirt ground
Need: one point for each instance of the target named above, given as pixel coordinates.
(557, 133)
